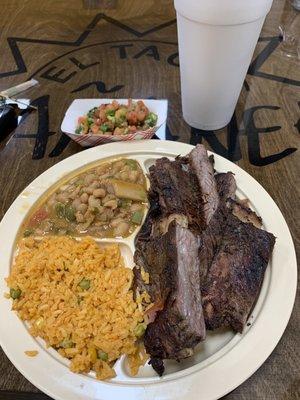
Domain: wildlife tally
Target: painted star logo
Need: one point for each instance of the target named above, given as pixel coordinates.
(13, 42)
(136, 65)
(254, 69)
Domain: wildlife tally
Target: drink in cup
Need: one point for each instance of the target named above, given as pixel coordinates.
(216, 41)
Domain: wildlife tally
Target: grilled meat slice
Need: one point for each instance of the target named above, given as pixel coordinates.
(172, 262)
(178, 191)
(203, 169)
(210, 241)
(195, 223)
(186, 186)
(241, 210)
(211, 237)
(226, 185)
(153, 214)
(236, 274)
(221, 245)
(226, 188)
(152, 257)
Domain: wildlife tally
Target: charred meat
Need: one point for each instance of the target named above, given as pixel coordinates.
(172, 262)
(177, 191)
(226, 186)
(187, 186)
(203, 169)
(205, 254)
(235, 277)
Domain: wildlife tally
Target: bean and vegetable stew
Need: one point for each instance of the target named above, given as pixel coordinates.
(117, 119)
(106, 201)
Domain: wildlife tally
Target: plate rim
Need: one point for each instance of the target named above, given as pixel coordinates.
(228, 382)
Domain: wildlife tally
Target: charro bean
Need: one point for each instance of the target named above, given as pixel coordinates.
(88, 214)
(84, 198)
(102, 217)
(105, 176)
(82, 208)
(94, 185)
(99, 192)
(108, 197)
(101, 169)
(76, 204)
(79, 217)
(62, 197)
(113, 204)
(89, 179)
(93, 202)
(51, 201)
(99, 223)
(110, 189)
(109, 213)
(88, 190)
(75, 193)
(122, 214)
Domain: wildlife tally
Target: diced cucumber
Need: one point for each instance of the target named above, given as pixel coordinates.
(60, 210)
(110, 113)
(151, 119)
(103, 128)
(28, 232)
(91, 113)
(78, 129)
(15, 293)
(70, 213)
(132, 164)
(137, 217)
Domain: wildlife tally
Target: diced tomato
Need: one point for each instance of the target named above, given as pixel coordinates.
(102, 115)
(81, 120)
(132, 117)
(38, 217)
(95, 128)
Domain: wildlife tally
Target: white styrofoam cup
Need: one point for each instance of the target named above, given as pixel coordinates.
(216, 41)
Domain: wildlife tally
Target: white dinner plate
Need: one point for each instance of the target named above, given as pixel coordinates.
(222, 362)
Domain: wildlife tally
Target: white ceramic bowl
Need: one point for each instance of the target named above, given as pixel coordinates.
(80, 107)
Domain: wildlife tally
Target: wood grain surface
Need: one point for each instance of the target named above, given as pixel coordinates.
(129, 49)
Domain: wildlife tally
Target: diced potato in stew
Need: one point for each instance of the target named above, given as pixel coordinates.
(106, 201)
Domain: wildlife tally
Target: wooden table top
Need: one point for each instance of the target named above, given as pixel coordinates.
(98, 48)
